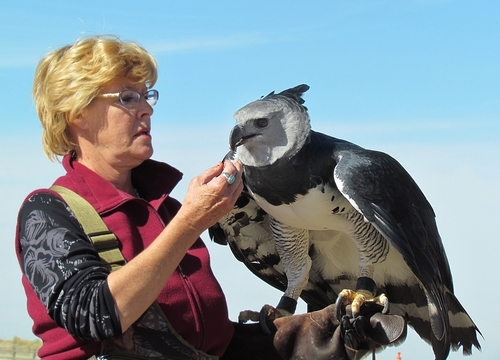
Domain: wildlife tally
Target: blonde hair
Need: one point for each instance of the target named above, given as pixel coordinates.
(68, 79)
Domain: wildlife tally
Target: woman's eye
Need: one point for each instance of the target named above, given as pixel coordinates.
(129, 97)
(260, 123)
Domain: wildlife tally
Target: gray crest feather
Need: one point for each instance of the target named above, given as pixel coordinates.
(294, 94)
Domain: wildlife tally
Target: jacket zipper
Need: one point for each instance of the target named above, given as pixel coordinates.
(196, 308)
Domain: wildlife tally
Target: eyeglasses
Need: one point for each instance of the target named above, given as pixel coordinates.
(130, 98)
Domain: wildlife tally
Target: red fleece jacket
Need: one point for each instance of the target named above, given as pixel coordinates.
(192, 299)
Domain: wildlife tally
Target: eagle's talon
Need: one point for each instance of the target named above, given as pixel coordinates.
(263, 315)
(344, 298)
(384, 301)
(268, 314)
(357, 299)
(338, 308)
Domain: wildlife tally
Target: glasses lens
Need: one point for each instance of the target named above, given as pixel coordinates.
(129, 97)
(152, 97)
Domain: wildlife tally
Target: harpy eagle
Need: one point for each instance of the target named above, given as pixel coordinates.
(327, 220)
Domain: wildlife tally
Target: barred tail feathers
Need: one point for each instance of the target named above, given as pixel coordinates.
(463, 330)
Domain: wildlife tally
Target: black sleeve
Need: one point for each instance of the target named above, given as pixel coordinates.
(64, 269)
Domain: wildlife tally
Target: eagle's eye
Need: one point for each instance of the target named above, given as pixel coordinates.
(261, 123)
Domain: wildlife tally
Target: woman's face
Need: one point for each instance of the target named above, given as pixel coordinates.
(118, 135)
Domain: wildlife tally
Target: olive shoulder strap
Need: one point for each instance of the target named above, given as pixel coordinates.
(104, 240)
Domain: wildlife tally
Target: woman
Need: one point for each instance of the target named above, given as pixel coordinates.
(95, 101)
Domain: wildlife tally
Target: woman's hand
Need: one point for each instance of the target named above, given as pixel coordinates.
(210, 196)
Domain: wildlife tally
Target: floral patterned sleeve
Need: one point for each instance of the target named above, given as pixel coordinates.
(64, 269)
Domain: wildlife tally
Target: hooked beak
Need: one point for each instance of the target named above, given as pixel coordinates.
(237, 138)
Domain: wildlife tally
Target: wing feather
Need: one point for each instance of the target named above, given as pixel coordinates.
(387, 196)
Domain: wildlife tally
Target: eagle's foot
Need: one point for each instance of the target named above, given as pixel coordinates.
(357, 299)
(248, 315)
(267, 313)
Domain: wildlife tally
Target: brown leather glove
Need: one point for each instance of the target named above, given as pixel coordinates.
(319, 335)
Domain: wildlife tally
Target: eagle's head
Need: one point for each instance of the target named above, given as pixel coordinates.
(273, 127)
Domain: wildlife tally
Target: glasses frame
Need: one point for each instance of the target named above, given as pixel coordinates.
(151, 100)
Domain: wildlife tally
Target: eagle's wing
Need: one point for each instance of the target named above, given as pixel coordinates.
(387, 196)
(246, 230)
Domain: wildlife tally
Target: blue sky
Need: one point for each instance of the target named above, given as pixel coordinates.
(417, 79)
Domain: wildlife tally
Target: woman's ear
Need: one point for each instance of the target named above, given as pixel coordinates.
(80, 121)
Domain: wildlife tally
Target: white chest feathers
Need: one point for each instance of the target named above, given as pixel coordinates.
(322, 208)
